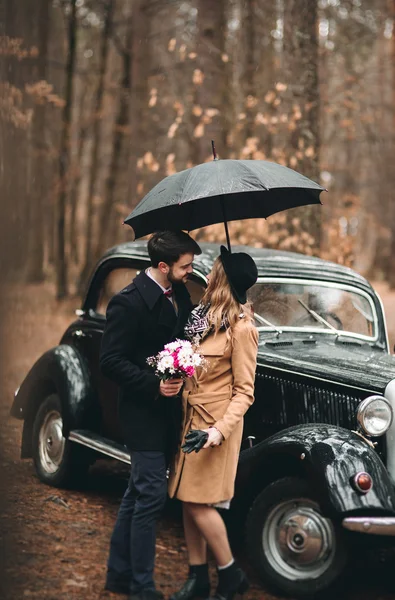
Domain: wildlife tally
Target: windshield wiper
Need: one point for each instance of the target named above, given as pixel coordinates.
(349, 340)
(318, 317)
(268, 323)
(339, 333)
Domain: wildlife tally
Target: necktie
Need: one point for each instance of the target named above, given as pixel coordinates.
(168, 293)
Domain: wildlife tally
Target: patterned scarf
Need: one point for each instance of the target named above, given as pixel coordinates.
(198, 326)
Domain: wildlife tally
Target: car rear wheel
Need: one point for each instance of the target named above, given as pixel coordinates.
(294, 548)
(57, 461)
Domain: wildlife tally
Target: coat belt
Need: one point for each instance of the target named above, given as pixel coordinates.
(196, 402)
(209, 397)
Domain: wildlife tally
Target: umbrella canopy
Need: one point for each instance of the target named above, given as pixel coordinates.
(221, 190)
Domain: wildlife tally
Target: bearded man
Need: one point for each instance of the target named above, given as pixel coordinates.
(141, 319)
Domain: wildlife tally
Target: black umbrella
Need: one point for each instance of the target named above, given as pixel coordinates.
(221, 191)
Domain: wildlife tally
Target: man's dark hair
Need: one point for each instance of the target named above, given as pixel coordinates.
(168, 246)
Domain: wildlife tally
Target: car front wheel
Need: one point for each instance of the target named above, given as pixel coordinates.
(57, 461)
(294, 548)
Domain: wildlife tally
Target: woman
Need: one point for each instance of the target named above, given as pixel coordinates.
(215, 401)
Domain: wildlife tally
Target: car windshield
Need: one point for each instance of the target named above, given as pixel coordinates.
(306, 305)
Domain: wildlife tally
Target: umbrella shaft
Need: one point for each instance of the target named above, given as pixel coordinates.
(226, 224)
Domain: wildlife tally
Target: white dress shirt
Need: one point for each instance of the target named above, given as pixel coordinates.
(170, 298)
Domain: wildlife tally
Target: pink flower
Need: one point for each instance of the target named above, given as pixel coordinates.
(175, 359)
(190, 371)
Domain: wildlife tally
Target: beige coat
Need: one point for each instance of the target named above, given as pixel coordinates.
(219, 397)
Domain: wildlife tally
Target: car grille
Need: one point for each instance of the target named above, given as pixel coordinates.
(286, 402)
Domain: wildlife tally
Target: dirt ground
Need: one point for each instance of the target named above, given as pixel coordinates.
(54, 542)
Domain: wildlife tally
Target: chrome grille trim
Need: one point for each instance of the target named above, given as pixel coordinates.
(297, 403)
(314, 377)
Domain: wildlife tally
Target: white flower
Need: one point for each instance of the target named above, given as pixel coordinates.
(185, 344)
(166, 362)
(184, 359)
(196, 360)
(172, 346)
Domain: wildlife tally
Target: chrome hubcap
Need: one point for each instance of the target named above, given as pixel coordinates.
(298, 541)
(51, 442)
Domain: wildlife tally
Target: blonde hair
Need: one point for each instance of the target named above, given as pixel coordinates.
(222, 302)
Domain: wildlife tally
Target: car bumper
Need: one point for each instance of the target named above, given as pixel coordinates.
(372, 525)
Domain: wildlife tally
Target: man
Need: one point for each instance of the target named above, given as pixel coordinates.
(141, 319)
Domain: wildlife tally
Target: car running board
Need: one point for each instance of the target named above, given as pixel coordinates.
(100, 444)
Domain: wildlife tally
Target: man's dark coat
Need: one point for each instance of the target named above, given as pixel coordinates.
(140, 321)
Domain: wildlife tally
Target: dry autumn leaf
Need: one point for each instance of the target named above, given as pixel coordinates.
(310, 152)
(270, 97)
(198, 131)
(148, 158)
(172, 130)
(211, 112)
(183, 52)
(251, 101)
(198, 77)
(153, 97)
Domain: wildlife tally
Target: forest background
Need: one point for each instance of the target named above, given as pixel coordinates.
(100, 99)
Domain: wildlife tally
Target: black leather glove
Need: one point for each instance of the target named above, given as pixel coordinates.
(194, 440)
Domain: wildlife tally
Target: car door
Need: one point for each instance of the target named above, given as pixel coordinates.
(109, 279)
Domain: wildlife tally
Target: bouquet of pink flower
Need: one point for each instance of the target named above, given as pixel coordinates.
(177, 360)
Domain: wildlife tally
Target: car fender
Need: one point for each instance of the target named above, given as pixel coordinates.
(61, 370)
(330, 457)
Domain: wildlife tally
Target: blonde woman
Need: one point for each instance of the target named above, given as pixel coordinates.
(214, 403)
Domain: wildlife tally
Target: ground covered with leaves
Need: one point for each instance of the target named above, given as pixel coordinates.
(55, 542)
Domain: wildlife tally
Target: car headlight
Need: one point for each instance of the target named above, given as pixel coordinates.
(375, 415)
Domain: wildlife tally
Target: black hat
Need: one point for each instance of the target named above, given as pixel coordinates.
(241, 272)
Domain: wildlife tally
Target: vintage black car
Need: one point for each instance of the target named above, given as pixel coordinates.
(317, 467)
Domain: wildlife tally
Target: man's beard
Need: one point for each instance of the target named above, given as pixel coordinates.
(171, 277)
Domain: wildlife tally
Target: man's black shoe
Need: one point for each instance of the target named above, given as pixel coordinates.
(147, 595)
(118, 587)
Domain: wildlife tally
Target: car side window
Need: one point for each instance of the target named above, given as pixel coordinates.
(196, 289)
(114, 282)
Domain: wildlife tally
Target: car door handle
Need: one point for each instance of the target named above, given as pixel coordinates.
(78, 333)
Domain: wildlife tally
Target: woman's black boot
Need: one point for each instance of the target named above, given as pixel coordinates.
(197, 586)
(231, 581)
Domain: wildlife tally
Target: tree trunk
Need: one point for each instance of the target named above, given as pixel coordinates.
(15, 160)
(39, 187)
(96, 141)
(303, 143)
(58, 47)
(250, 68)
(255, 81)
(138, 97)
(210, 80)
(121, 137)
(75, 189)
(391, 266)
(64, 159)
